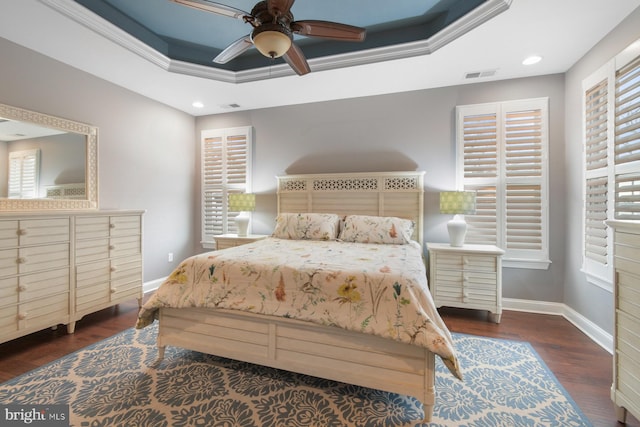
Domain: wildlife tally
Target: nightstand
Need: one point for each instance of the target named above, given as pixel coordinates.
(224, 241)
(469, 276)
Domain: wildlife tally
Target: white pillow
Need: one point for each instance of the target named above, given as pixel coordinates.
(377, 229)
(307, 226)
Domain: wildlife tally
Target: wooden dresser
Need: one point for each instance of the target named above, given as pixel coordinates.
(57, 267)
(625, 391)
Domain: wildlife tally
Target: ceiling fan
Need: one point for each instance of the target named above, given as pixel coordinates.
(273, 30)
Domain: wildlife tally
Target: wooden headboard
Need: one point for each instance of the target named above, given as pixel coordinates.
(399, 194)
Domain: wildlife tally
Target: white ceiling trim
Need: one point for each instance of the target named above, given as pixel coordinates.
(113, 33)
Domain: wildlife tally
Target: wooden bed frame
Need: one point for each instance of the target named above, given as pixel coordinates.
(321, 351)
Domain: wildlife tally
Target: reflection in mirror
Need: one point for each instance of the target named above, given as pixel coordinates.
(46, 162)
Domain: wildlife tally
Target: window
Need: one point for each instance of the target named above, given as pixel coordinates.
(502, 153)
(611, 126)
(24, 172)
(226, 168)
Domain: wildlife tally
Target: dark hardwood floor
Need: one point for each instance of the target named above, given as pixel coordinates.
(583, 367)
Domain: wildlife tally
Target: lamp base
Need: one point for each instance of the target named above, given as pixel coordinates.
(457, 231)
(242, 224)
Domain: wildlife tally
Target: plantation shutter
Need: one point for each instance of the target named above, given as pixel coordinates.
(502, 153)
(627, 141)
(24, 169)
(596, 172)
(612, 158)
(226, 161)
(480, 170)
(524, 153)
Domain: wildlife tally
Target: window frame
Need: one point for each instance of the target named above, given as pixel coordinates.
(600, 273)
(496, 200)
(228, 182)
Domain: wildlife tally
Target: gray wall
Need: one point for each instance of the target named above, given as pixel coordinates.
(146, 149)
(591, 301)
(406, 131)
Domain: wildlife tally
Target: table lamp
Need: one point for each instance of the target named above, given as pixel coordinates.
(458, 203)
(243, 203)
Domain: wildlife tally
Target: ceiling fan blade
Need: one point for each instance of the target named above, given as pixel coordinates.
(209, 6)
(279, 7)
(233, 50)
(295, 58)
(328, 30)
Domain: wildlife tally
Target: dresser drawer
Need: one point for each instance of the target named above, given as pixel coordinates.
(125, 271)
(93, 274)
(8, 234)
(44, 312)
(628, 335)
(8, 290)
(125, 225)
(43, 231)
(92, 250)
(627, 265)
(8, 320)
(92, 227)
(628, 375)
(125, 246)
(628, 289)
(43, 284)
(45, 257)
(8, 262)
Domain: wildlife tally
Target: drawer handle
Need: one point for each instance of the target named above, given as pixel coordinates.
(21, 260)
(112, 225)
(22, 316)
(113, 290)
(23, 288)
(113, 269)
(112, 247)
(22, 232)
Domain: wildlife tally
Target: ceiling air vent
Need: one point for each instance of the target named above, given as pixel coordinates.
(228, 106)
(480, 74)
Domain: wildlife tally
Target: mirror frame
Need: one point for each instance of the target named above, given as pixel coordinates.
(91, 166)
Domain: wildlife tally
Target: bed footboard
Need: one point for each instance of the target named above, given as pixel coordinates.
(316, 350)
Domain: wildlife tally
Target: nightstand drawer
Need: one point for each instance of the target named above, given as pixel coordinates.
(467, 262)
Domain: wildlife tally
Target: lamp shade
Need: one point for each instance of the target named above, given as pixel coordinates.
(272, 40)
(458, 202)
(242, 202)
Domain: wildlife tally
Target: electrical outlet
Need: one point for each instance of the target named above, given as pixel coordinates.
(170, 257)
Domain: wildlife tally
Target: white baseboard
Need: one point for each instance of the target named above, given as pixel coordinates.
(590, 329)
(152, 285)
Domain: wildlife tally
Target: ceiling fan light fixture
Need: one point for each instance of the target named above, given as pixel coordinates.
(271, 40)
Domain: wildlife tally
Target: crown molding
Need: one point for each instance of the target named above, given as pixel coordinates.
(94, 22)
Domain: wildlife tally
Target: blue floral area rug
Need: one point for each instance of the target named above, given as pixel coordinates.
(115, 383)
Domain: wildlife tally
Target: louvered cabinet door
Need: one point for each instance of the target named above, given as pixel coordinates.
(466, 277)
(35, 265)
(625, 391)
(108, 260)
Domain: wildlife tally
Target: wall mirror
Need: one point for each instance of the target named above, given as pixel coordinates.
(46, 162)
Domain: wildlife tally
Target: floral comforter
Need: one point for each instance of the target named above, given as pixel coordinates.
(379, 289)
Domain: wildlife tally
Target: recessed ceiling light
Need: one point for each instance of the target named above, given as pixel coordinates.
(534, 59)
(198, 104)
